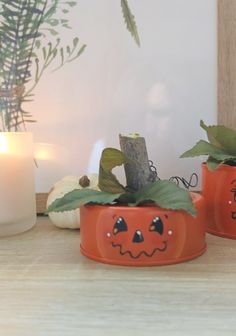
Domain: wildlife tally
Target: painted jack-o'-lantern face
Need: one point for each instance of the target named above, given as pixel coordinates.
(226, 211)
(225, 206)
(136, 235)
(138, 240)
(233, 201)
(219, 190)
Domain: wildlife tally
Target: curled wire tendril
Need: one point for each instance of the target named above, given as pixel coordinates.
(191, 183)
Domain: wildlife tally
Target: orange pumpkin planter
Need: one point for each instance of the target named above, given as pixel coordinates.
(142, 236)
(219, 191)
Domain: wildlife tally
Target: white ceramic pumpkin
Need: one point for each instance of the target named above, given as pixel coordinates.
(69, 219)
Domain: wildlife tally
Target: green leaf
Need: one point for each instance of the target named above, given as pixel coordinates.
(223, 157)
(222, 137)
(53, 32)
(38, 44)
(62, 55)
(53, 22)
(44, 53)
(110, 159)
(212, 164)
(68, 50)
(71, 3)
(75, 41)
(81, 50)
(167, 195)
(78, 197)
(205, 148)
(49, 13)
(126, 199)
(66, 26)
(130, 21)
(202, 147)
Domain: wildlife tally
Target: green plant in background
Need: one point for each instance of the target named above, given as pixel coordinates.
(221, 148)
(27, 51)
(164, 193)
(130, 21)
(23, 25)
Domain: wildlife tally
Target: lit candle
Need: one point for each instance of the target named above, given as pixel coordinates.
(17, 191)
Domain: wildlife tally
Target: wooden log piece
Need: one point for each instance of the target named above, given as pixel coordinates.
(227, 63)
(138, 173)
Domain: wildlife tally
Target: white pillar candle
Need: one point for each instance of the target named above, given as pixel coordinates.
(17, 191)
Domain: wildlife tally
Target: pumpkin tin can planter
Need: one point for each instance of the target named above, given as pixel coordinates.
(133, 225)
(219, 191)
(142, 236)
(218, 178)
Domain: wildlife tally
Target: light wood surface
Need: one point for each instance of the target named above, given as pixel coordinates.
(227, 63)
(49, 288)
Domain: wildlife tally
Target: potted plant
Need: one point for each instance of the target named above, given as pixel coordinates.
(26, 53)
(218, 178)
(148, 222)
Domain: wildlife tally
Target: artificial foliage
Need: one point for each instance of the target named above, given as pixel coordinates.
(220, 148)
(163, 193)
(130, 21)
(30, 42)
(25, 53)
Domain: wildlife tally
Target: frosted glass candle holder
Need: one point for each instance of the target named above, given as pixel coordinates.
(17, 190)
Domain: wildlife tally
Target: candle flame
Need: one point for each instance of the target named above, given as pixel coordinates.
(3, 144)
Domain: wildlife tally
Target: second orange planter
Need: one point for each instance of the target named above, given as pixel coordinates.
(219, 191)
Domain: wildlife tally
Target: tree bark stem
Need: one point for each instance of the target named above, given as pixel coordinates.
(138, 172)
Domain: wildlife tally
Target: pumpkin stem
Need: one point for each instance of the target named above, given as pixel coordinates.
(137, 171)
(84, 181)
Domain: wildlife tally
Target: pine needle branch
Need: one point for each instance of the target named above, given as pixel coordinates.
(130, 21)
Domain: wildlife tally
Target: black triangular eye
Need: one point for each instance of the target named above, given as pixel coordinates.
(157, 225)
(120, 226)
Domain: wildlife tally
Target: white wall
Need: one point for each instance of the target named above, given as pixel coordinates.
(160, 90)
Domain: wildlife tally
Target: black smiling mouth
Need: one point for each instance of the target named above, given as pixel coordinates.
(233, 214)
(142, 252)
